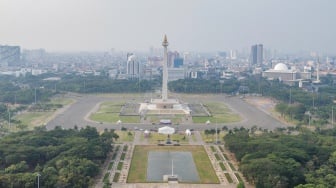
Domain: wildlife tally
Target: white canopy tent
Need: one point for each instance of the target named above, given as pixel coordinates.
(188, 132)
(166, 130)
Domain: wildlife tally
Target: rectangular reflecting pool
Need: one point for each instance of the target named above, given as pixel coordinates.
(160, 164)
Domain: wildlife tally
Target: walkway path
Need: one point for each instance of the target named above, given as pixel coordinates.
(196, 138)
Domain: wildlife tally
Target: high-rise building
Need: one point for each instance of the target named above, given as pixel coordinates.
(10, 55)
(171, 58)
(178, 62)
(133, 67)
(233, 54)
(256, 54)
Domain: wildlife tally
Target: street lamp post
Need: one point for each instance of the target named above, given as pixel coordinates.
(332, 116)
(309, 117)
(9, 116)
(35, 95)
(290, 95)
(216, 134)
(38, 180)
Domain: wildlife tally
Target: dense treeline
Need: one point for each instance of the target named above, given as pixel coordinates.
(63, 158)
(22, 90)
(281, 160)
(203, 86)
(103, 84)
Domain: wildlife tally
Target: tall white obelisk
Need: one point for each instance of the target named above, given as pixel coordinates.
(164, 70)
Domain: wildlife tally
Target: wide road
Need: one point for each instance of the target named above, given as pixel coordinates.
(75, 115)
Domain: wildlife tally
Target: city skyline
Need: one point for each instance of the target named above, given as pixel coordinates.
(191, 25)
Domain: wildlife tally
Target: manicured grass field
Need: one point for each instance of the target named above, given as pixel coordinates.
(62, 101)
(213, 149)
(154, 137)
(212, 138)
(34, 119)
(110, 165)
(106, 176)
(175, 119)
(116, 177)
(138, 169)
(124, 136)
(228, 177)
(232, 167)
(220, 114)
(109, 112)
(122, 157)
(221, 164)
(217, 157)
(225, 156)
(120, 164)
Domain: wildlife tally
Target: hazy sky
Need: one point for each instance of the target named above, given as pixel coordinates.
(192, 25)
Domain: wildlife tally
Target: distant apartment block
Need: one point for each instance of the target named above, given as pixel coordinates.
(256, 55)
(133, 67)
(10, 55)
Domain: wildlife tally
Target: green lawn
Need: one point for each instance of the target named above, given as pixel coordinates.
(120, 165)
(213, 148)
(34, 119)
(122, 157)
(106, 177)
(175, 119)
(217, 157)
(154, 137)
(221, 164)
(220, 114)
(109, 112)
(124, 136)
(116, 177)
(62, 101)
(110, 165)
(232, 167)
(138, 168)
(212, 138)
(228, 177)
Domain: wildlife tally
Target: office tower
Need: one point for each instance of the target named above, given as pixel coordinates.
(256, 55)
(133, 67)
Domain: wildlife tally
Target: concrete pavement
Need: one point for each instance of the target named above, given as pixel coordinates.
(77, 113)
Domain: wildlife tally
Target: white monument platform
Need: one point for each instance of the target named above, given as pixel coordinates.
(160, 107)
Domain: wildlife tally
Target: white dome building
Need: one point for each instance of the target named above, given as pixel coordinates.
(281, 67)
(281, 72)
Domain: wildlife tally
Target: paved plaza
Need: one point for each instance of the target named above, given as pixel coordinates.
(77, 114)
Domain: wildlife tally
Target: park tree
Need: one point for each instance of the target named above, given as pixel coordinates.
(276, 159)
(64, 158)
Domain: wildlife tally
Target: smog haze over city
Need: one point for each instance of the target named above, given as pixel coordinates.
(153, 93)
(191, 25)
